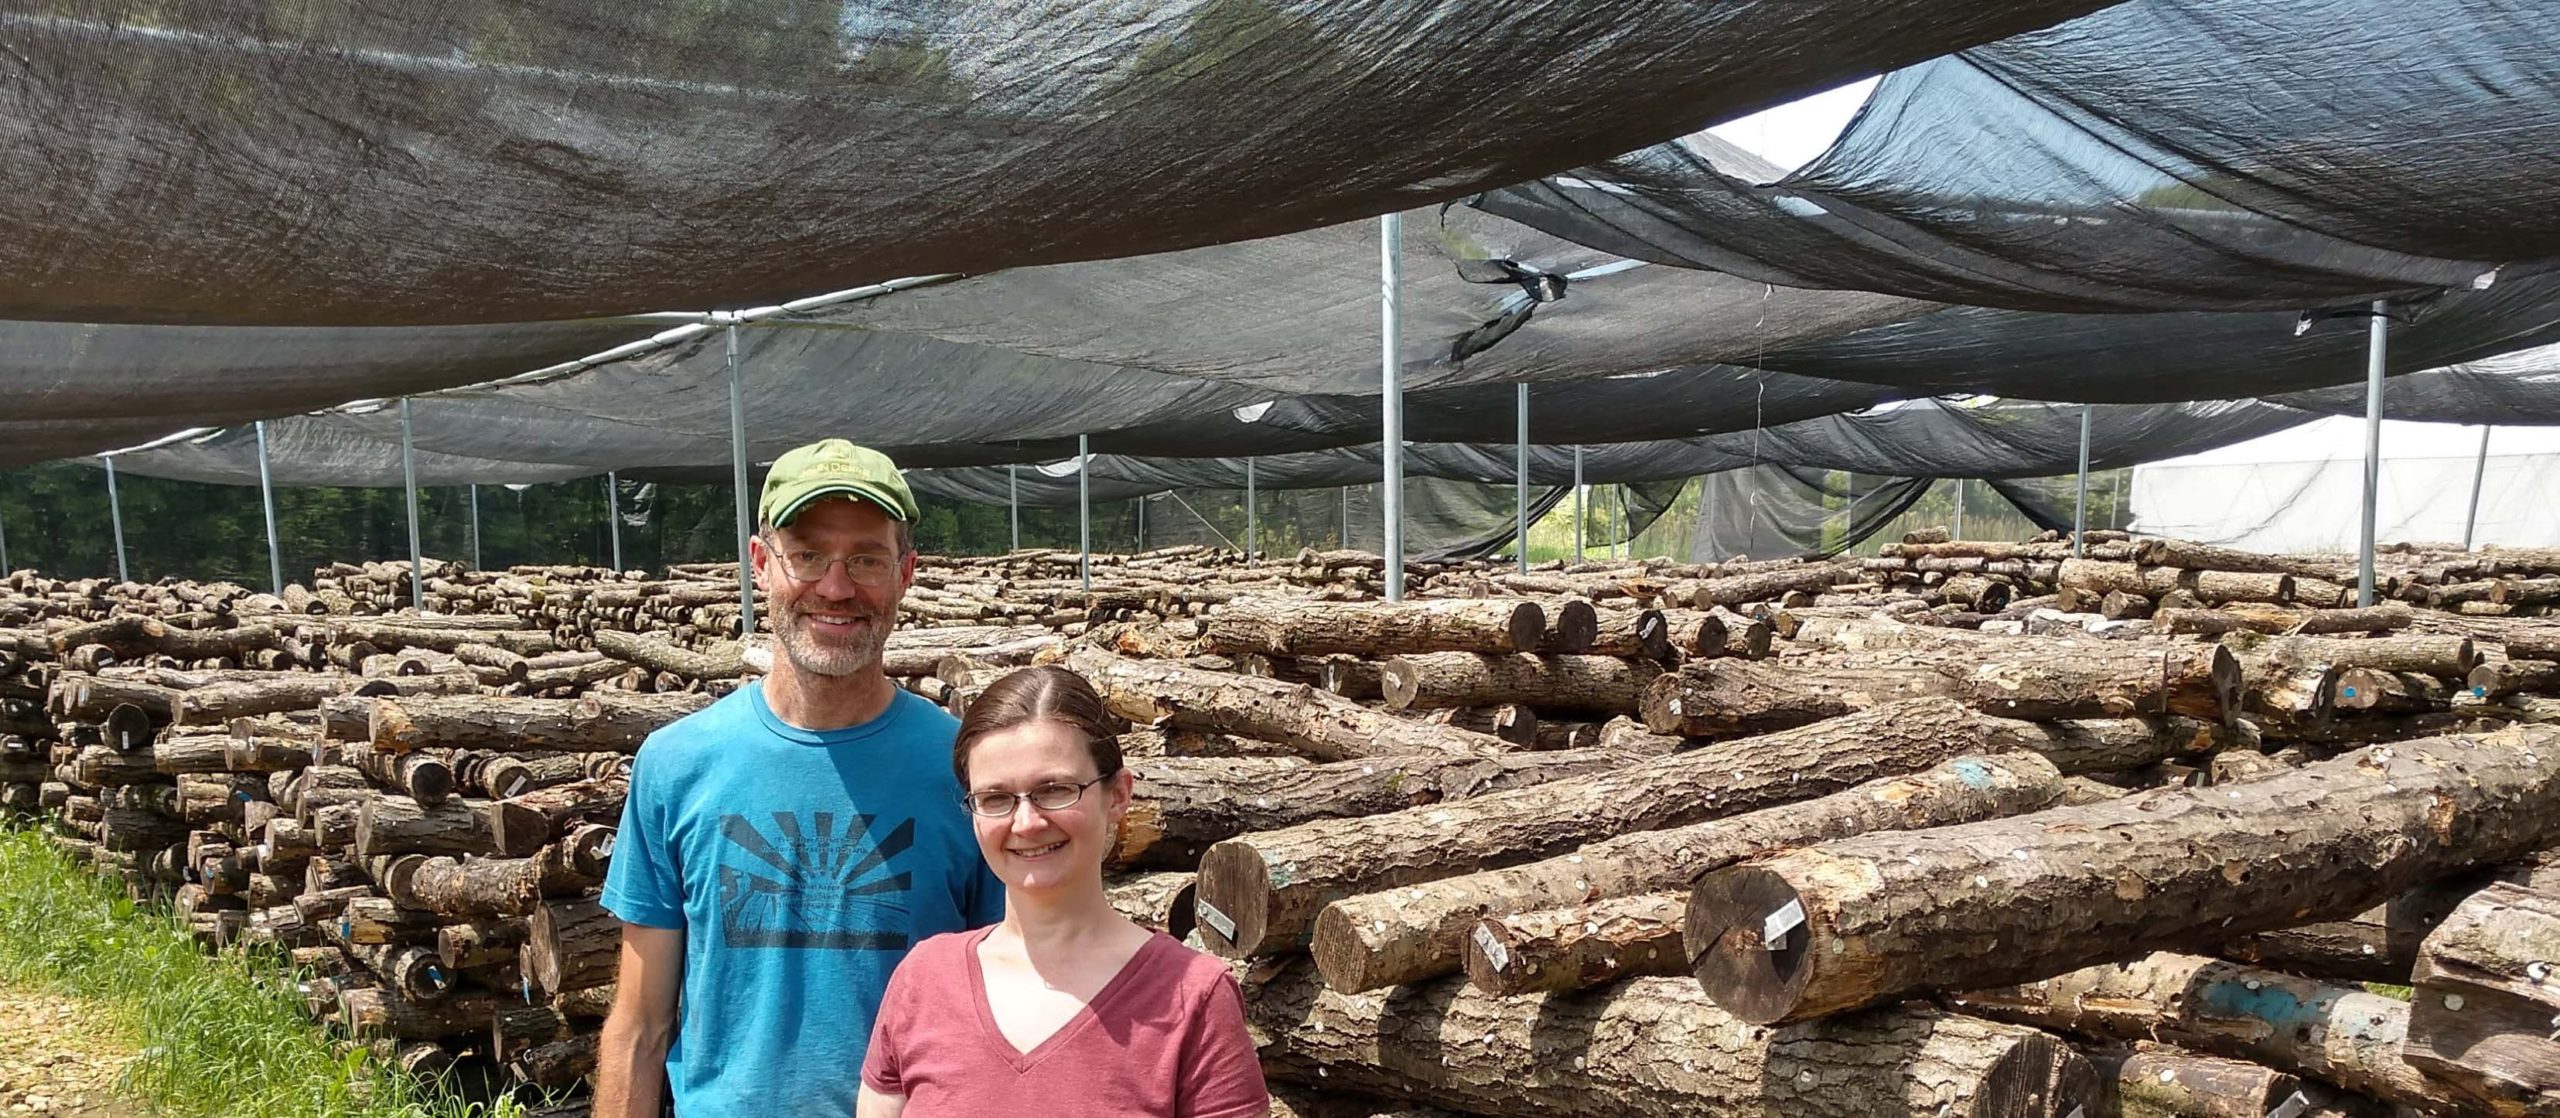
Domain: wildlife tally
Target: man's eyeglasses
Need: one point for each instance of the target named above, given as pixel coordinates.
(869, 568)
(1055, 796)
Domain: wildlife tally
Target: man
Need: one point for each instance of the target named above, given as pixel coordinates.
(781, 849)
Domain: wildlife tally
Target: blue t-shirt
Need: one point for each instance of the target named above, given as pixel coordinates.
(801, 866)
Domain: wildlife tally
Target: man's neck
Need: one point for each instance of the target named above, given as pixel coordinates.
(826, 702)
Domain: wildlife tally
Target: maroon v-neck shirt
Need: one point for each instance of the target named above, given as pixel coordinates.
(1165, 1038)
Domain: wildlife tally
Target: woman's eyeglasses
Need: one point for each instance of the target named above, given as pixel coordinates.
(1054, 796)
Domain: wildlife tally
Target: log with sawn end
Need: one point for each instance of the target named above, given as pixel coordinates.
(2340, 1035)
(1319, 725)
(1260, 893)
(602, 721)
(1652, 1048)
(1569, 684)
(1301, 627)
(1854, 921)
(1414, 932)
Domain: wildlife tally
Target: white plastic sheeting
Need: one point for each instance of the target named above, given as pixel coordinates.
(2298, 490)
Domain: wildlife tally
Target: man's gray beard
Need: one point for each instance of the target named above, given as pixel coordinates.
(807, 655)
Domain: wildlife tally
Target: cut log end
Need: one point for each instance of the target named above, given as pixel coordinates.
(1229, 900)
(1577, 626)
(2038, 1077)
(1726, 934)
(2230, 686)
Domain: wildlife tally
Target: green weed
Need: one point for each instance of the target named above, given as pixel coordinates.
(218, 1035)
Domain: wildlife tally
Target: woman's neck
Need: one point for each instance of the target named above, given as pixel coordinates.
(1062, 919)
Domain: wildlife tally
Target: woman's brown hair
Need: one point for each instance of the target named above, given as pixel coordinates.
(1046, 694)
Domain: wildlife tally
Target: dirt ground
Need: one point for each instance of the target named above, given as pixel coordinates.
(54, 1059)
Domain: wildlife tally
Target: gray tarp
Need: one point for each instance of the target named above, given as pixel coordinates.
(2161, 154)
(385, 162)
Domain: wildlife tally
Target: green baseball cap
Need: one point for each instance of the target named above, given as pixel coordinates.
(833, 468)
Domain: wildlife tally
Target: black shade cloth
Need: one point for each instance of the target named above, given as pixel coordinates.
(383, 162)
(2161, 154)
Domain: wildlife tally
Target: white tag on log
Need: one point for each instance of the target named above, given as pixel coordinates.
(1774, 928)
(1210, 915)
(1494, 952)
(2291, 1106)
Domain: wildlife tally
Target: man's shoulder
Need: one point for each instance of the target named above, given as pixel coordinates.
(920, 717)
(686, 739)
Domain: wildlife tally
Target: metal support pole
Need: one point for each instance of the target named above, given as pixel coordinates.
(738, 481)
(267, 501)
(1252, 520)
(2080, 505)
(1520, 485)
(2376, 337)
(1626, 543)
(613, 513)
(1577, 504)
(1084, 511)
(1142, 522)
(1958, 532)
(4, 545)
(1345, 539)
(115, 514)
(1013, 502)
(475, 527)
(409, 483)
(1391, 393)
(2470, 520)
(2115, 501)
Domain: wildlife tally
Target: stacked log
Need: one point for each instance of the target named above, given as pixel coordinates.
(1623, 837)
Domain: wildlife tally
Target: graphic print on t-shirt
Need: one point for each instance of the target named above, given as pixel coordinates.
(809, 883)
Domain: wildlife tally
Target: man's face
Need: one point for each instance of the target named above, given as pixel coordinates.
(833, 626)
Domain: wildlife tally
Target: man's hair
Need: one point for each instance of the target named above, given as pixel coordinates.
(906, 533)
(1044, 694)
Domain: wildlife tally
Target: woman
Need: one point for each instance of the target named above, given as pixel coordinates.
(1066, 1008)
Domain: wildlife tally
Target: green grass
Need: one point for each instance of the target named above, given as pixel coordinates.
(217, 1034)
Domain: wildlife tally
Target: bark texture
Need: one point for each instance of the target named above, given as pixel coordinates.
(1405, 934)
(2337, 1034)
(1259, 893)
(1319, 725)
(1652, 1048)
(2005, 901)
(1566, 684)
(1299, 627)
(2486, 998)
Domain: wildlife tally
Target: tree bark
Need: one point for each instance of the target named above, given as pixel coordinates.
(1320, 726)
(2486, 995)
(400, 825)
(2094, 679)
(526, 823)
(423, 776)
(657, 656)
(488, 886)
(2095, 577)
(2336, 1034)
(598, 722)
(1578, 947)
(2508, 677)
(1305, 627)
(1159, 899)
(1403, 935)
(1259, 893)
(2379, 944)
(1185, 805)
(2157, 1082)
(1736, 590)
(376, 1011)
(2206, 557)
(1639, 633)
(2532, 641)
(570, 944)
(2004, 901)
(1652, 1048)
(2240, 616)
(218, 703)
(1563, 684)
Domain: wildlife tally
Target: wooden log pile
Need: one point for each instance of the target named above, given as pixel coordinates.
(2122, 832)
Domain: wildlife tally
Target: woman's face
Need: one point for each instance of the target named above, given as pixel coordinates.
(1037, 849)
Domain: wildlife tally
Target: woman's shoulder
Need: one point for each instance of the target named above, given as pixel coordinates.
(938, 953)
(1195, 972)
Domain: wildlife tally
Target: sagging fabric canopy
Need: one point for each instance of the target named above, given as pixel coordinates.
(446, 161)
(2161, 154)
